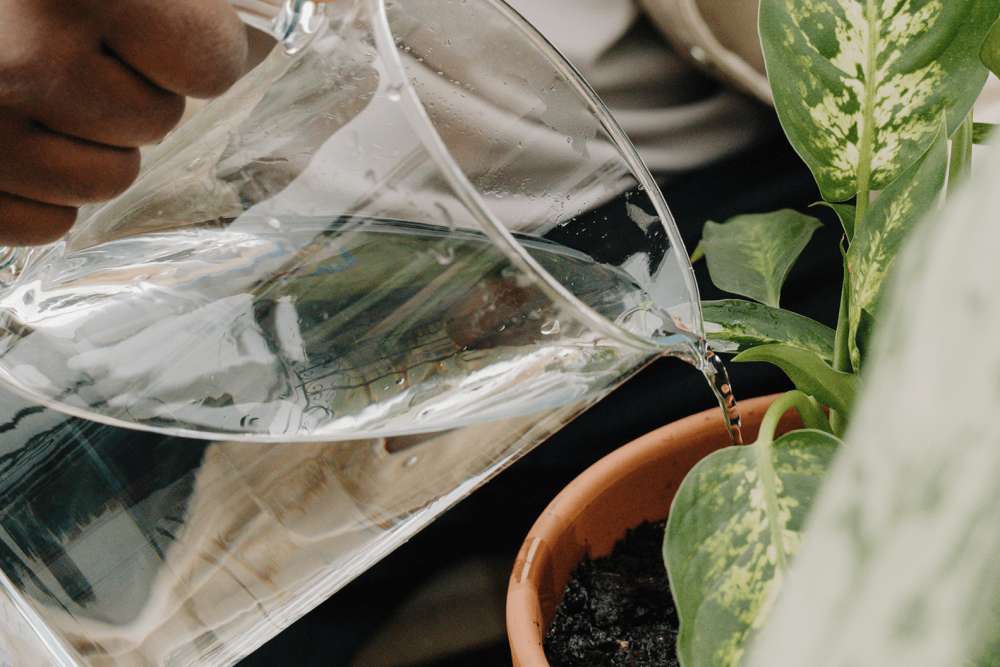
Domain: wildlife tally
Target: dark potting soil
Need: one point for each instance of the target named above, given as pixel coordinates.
(617, 611)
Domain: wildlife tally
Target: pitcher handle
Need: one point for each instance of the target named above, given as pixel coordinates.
(292, 22)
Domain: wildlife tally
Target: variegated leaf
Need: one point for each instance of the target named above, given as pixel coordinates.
(991, 49)
(886, 224)
(734, 525)
(734, 325)
(859, 85)
(751, 255)
(845, 213)
(808, 372)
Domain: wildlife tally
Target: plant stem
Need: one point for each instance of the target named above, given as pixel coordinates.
(813, 417)
(961, 155)
(842, 347)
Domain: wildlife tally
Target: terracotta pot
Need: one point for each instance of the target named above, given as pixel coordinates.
(630, 486)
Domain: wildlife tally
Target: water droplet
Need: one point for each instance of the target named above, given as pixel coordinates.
(445, 256)
(247, 421)
(551, 328)
(400, 382)
(412, 461)
(274, 223)
(699, 54)
(394, 92)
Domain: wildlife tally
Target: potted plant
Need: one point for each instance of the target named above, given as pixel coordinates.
(871, 95)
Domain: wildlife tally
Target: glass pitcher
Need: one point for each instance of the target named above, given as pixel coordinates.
(403, 250)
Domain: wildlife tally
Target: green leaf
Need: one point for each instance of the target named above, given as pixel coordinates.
(887, 223)
(981, 132)
(866, 330)
(990, 53)
(747, 324)
(809, 372)
(845, 213)
(859, 85)
(751, 255)
(734, 525)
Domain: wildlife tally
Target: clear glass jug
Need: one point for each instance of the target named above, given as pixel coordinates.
(403, 250)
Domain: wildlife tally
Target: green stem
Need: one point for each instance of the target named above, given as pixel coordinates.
(842, 347)
(813, 417)
(960, 161)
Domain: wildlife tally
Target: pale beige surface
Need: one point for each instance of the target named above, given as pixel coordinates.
(720, 36)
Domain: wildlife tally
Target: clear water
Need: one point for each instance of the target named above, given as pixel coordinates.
(431, 361)
(717, 376)
(312, 329)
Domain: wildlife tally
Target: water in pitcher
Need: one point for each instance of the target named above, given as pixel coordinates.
(372, 328)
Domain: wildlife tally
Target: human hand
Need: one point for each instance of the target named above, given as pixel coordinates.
(83, 84)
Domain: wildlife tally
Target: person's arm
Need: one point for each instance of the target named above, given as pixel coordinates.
(83, 84)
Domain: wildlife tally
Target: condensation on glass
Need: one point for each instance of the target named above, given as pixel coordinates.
(403, 250)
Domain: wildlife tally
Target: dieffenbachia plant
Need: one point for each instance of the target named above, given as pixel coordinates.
(876, 97)
(901, 561)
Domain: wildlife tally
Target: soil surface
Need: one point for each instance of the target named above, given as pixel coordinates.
(617, 611)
